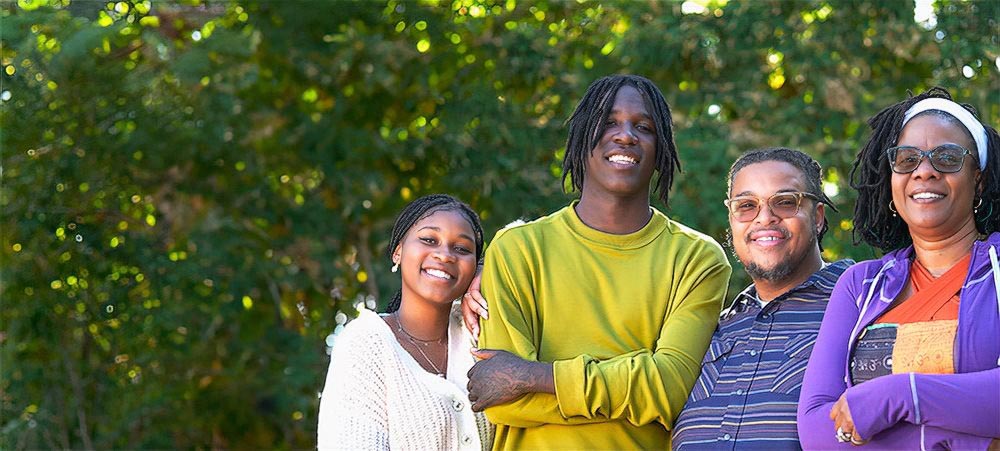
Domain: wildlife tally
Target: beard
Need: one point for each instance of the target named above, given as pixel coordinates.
(782, 269)
(778, 272)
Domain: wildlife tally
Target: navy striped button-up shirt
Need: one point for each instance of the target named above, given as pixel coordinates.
(746, 395)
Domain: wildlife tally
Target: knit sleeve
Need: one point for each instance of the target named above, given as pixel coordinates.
(353, 412)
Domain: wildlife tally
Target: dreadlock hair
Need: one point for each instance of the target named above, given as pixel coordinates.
(420, 209)
(588, 123)
(870, 176)
(809, 168)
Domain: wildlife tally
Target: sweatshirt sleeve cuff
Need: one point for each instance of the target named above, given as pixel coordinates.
(568, 378)
(880, 403)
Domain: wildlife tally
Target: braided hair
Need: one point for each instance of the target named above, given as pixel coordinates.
(420, 209)
(588, 123)
(874, 223)
(809, 168)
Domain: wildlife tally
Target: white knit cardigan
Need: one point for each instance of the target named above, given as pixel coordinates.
(378, 397)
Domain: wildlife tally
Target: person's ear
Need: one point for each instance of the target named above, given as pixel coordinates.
(820, 216)
(397, 255)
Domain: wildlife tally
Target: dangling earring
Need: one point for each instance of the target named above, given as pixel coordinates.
(975, 208)
(395, 267)
(892, 208)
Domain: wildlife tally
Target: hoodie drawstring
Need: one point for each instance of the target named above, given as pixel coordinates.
(996, 280)
(863, 307)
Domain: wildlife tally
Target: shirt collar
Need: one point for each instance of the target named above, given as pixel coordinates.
(748, 294)
(745, 300)
(829, 272)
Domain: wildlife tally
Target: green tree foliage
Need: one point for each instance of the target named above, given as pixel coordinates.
(193, 191)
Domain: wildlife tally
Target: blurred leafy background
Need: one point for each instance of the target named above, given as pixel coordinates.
(196, 194)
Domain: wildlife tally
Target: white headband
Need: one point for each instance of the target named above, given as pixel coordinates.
(958, 112)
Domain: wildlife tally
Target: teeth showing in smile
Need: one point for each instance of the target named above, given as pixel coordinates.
(768, 238)
(438, 273)
(621, 159)
(927, 196)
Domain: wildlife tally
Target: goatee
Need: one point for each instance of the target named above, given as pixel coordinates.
(781, 270)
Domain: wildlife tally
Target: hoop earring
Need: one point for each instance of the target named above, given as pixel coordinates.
(988, 212)
(975, 208)
(892, 208)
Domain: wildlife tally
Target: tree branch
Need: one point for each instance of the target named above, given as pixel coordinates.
(81, 414)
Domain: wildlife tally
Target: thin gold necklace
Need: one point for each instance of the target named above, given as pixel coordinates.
(414, 341)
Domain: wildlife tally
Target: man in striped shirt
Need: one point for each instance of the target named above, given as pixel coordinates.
(748, 389)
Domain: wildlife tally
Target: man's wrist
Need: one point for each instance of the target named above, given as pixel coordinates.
(540, 378)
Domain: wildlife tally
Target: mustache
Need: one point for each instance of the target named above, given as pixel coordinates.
(783, 231)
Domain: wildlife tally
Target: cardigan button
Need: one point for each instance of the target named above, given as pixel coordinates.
(467, 439)
(458, 405)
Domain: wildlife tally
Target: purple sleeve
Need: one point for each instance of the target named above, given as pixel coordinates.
(824, 383)
(911, 436)
(824, 379)
(967, 403)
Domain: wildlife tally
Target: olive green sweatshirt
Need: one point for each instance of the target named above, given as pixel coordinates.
(625, 320)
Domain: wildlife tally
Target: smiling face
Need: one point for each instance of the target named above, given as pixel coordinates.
(770, 247)
(437, 258)
(622, 163)
(935, 204)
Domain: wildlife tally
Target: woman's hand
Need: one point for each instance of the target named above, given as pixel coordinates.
(474, 306)
(842, 420)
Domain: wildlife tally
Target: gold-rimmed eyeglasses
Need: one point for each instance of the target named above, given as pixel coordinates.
(782, 205)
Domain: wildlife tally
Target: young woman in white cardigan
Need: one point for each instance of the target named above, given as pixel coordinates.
(398, 380)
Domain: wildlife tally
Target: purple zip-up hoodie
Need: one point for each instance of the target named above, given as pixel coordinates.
(908, 411)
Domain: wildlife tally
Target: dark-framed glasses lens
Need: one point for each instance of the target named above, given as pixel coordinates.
(944, 158)
(904, 159)
(948, 158)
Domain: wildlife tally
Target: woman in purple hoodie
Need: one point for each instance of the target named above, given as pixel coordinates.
(908, 356)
